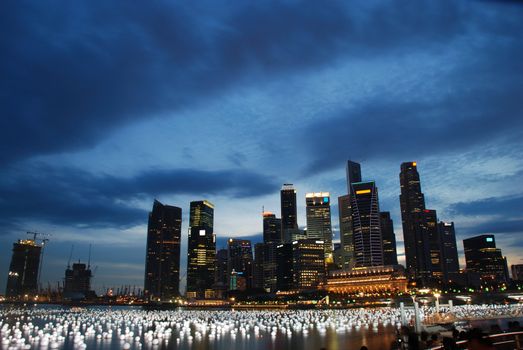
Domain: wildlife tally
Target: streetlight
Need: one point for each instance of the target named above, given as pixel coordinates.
(437, 295)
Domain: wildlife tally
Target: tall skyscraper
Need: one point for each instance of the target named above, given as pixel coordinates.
(240, 260)
(390, 255)
(346, 234)
(483, 258)
(319, 220)
(368, 250)
(201, 256)
(271, 228)
(353, 174)
(22, 278)
(289, 216)
(412, 202)
(162, 262)
(284, 267)
(431, 232)
(449, 251)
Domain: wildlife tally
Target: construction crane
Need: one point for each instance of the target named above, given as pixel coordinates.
(44, 242)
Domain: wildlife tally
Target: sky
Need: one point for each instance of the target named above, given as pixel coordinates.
(105, 106)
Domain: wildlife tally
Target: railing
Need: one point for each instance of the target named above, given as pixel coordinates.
(512, 343)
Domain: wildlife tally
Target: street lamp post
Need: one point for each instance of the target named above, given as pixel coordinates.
(437, 295)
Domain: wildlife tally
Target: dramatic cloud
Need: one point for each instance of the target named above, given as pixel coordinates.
(73, 74)
(68, 196)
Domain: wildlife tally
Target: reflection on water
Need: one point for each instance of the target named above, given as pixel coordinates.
(133, 328)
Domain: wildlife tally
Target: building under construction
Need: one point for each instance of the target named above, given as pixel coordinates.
(22, 279)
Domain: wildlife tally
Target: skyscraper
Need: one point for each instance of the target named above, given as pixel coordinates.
(289, 216)
(271, 228)
(412, 202)
(308, 263)
(366, 230)
(346, 236)
(162, 262)
(431, 232)
(201, 256)
(240, 260)
(390, 256)
(284, 267)
(319, 220)
(449, 251)
(483, 258)
(353, 174)
(22, 278)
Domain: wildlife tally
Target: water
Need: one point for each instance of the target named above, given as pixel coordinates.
(203, 329)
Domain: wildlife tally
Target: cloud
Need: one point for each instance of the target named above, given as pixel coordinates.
(75, 72)
(71, 196)
(511, 206)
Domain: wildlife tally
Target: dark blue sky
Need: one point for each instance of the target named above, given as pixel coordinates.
(106, 106)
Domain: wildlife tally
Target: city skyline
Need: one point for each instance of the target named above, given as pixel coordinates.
(106, 108)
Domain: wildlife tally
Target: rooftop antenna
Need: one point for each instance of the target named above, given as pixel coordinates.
(70, 257)
(89, 260)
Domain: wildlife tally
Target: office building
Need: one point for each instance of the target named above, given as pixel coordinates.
(412, 203)
(449, 252)
(284, 267)
(431, 232)
(289, 215)
(319, 220)
(201, 256)
(162, 262)
(22, 277)
(265, 266)
(388, 237)
(482, 257)
(353, 172)
(220, 279)
(240, 260)
(272, 227)
(308, 263)
(366, 230)
(346, 254)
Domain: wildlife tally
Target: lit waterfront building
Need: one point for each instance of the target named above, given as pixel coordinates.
(319, 225)
(482, 257)
(376, 279)
(162, 262)
(22, 277)
(308, 261)
(201, 255)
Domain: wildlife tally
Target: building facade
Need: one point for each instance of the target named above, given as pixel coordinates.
(319, 220)
(412, 203)
(379, 279)
(162, 262)
(289, 209)
(201, 255)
